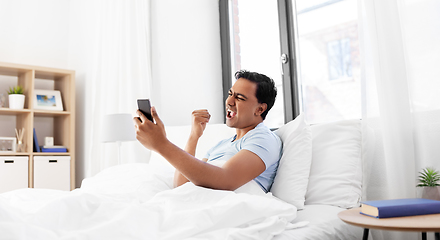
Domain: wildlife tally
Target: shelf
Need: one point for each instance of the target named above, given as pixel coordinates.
(51, 153)
(35, 153)
(11, 69)
(45, 113)
(8, 111)
(48, 75)
(14, 153)
(58, 124)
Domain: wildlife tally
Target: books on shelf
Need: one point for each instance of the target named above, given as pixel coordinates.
(53, 149)
(400, 207)
(36, 146)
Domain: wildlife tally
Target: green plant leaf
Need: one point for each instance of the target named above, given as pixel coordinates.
(16, 90)
(428, 177)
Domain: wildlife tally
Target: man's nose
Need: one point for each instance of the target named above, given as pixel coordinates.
(230, 101)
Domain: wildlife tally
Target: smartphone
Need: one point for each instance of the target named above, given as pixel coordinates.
(145, 107)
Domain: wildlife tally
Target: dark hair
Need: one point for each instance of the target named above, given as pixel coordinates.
(266, 90)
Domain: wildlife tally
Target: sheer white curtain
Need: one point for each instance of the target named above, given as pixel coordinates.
(401, 101)
(116, 71)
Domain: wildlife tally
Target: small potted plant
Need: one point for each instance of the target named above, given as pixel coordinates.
(429, 183)
(16, 97)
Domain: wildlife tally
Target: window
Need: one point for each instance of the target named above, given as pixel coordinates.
(255, 46)
(338, 55)
(320, 74)
(328, 60)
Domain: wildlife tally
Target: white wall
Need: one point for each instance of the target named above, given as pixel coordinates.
(186, 63)
(34, 32)
(186, 59)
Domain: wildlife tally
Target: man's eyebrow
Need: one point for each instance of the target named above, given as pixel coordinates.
(238, 94)
(243, 96)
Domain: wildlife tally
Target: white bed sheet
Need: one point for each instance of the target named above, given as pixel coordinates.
(323, 224)
(134, 201)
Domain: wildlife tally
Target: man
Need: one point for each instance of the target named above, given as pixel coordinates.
(252, 154)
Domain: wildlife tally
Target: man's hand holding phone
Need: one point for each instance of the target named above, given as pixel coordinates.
(150, 133)
(145, 108)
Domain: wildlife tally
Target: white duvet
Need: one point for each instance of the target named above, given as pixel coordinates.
(134, 201)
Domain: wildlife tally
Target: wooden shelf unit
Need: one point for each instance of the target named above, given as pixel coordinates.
(64, 121)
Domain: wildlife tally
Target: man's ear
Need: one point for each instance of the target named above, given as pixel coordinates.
(260, 110)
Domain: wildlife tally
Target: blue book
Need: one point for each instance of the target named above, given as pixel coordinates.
(400, 207)
(36, 146)
(43, 149)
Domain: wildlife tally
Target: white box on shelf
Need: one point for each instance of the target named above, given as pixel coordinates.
(48, 141)
(52, 172)
(13, 173)
(7, 144)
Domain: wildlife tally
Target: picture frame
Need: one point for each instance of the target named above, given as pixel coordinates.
(7, 144)
(47, 100)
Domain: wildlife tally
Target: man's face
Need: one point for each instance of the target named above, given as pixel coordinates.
(242, 107)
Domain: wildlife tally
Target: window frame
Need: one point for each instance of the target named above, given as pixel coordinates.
(287, 30)
(225, 36)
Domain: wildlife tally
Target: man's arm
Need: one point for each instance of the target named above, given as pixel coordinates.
(237, 171)
(199, 120)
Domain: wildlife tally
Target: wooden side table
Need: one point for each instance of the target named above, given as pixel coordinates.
(419, 223)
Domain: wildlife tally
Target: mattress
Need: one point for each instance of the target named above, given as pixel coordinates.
(323, 224)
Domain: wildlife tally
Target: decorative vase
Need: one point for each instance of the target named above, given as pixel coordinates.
(429, 193)
(21, 147)
(16, 101)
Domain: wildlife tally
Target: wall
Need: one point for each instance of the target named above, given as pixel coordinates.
(186, 59)
(186, 64)
(34, 32)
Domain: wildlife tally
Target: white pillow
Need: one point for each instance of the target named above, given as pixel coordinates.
(290, 183)
(179, 135)
(336, 171)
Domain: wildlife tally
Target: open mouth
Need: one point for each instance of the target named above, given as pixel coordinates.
(230, 114)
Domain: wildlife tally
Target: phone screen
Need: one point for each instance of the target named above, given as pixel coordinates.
(145, 107)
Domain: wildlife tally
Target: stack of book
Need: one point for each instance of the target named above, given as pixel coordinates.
(53, 149)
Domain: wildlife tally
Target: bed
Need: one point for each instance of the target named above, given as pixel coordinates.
(137, 201)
